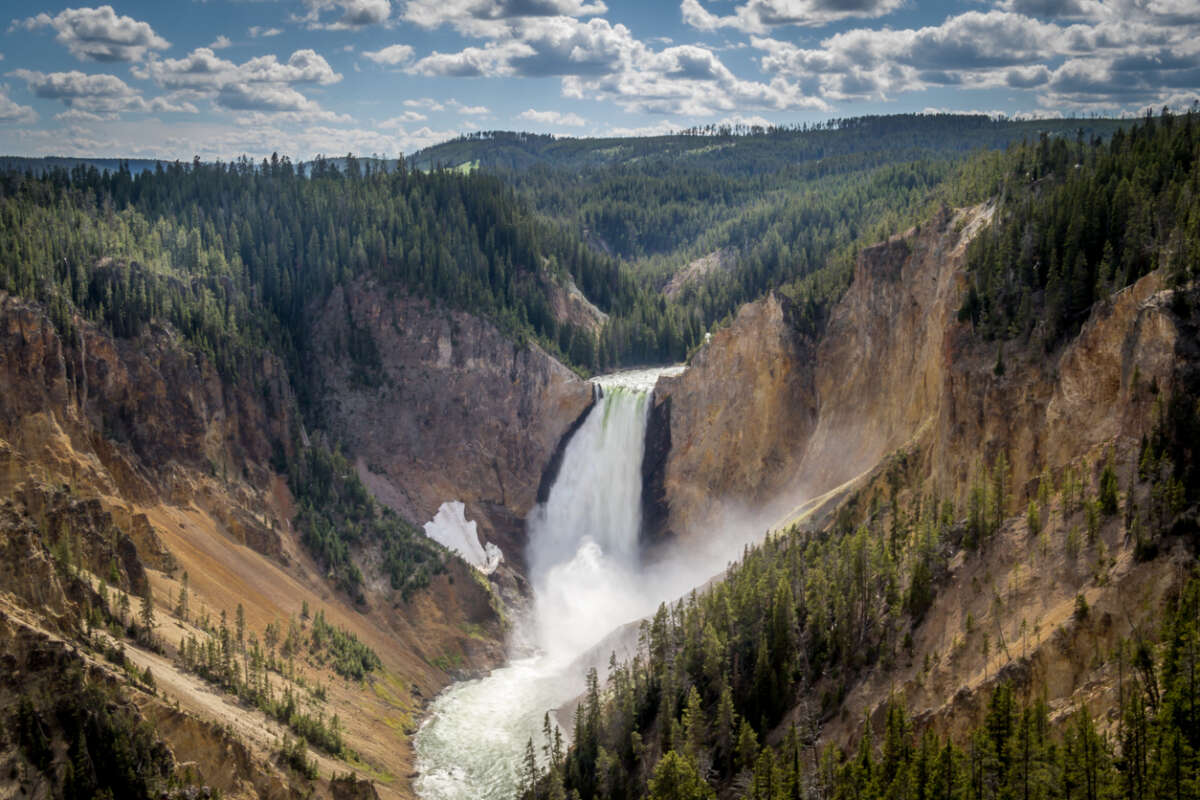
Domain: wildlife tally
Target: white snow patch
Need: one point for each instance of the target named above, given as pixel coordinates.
(451, 529)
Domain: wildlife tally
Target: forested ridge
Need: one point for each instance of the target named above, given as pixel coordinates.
(788, 205)
(236, 255)
(772, 649)
(746, 149)
(1078, 220)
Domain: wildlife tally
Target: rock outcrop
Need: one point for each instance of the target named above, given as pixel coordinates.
(736, 418)
(765, 419)
(141, 419)
(452, 409)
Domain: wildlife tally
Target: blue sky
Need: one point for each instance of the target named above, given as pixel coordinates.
(222, 78)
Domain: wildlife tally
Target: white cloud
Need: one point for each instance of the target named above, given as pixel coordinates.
(599, 60)
(220, 43)
(1108, 63)
(204, 69)
(306, 116)
(174, 102)
(973, 49)
(79, 115)
(759, 16)
(485, 17)
(427, 103)
(469, 111)
(391, 55)
(403, 119)
(263, 97)
(262, 83)
(664, 128)
(257, 32)
(98, 94)
(553, 118)
(753, 121)
(354, 13)
(99, 34)
(12, 111)
(492, 60)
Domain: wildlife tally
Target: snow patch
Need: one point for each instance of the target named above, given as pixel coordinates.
(451, 529)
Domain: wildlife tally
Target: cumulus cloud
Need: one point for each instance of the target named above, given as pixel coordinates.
(493, 60)
(262, 83)
(98, 94)
(469, 111)
(485, 17)
(256, 32)
(552, 118)
(204, 69)
(1043, 47)
(99, 34)
(1048, 9)
(263, 97)
(402, 119)
(759, 16)
(1104, 63)
(599, 60)
(307, 116)
(663, 128)
(12, 111)
(427, 103)
(354, 13)
(753, 121)
(97, 97)
(391, 55)
(974, 49)
(1111, 84)
(687, 80)
(220, 43)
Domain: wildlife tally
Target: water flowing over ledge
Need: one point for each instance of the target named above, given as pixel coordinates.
(584, 568)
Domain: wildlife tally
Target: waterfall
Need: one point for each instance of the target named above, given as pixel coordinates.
(583, 542)
(583, 559)
(597, 495)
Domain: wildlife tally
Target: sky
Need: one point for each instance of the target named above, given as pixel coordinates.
(222, 78)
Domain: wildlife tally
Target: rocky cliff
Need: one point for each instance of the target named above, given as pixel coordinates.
(732, 423)
(447, 408)
(765, 418)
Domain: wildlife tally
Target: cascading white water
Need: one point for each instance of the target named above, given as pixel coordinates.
(583, 542)
(583, 567)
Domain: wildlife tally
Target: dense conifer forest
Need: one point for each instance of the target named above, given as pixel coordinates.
(790, 203)
(237, 255)
(1079, 220)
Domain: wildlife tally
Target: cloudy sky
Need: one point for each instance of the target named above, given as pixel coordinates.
(226, 77)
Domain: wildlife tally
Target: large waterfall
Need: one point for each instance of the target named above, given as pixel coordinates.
(583, 565)
(587, 581)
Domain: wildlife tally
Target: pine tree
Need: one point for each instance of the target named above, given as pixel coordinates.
(146, 615)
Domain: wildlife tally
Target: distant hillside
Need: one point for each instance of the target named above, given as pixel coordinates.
(40, 166)
(751, 150)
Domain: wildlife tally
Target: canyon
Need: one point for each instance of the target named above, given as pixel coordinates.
(167, 475)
